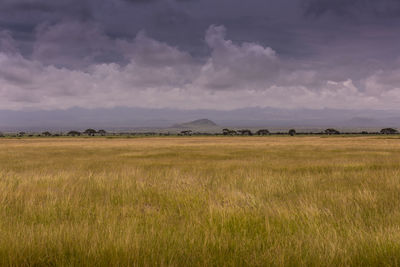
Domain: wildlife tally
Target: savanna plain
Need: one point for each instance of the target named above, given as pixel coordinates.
(200, 201)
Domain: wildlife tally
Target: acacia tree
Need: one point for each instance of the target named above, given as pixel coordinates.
(245, 132)
(292, 132)
(228, 132)
(90, 132)
(46, 133)
(389, 131)
(331, 131)
(74, 133)
(263, 132)
(102, 132)
(187, 132)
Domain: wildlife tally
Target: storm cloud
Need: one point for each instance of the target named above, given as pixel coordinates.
(353, 7)
(199, 54)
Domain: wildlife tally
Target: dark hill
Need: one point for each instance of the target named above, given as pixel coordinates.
(196, 124)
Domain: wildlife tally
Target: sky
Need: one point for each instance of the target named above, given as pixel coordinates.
(199, 54)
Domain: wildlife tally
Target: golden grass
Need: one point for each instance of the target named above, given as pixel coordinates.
(219, 201)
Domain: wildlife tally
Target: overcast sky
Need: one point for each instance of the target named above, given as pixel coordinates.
(208, 54)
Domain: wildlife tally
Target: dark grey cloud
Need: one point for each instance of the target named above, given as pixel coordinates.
(381, 8)
(140, 1)
(34, 11)
(31, 7)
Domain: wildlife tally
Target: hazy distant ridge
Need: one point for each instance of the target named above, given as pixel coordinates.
(196, 123)
(133, 118)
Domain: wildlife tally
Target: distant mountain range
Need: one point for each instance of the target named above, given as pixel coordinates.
(123, 119)
(201, 125)
(196, 123)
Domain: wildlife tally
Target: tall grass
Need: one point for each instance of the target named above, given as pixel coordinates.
(200, 201)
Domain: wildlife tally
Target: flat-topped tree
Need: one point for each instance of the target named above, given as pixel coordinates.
(228, 132)
(331, 131)
(389, 131)
(187, 132)
(46, 133)
(102, 132)
(245, 132)
(74, 133)
(263, 132)
(90, 132)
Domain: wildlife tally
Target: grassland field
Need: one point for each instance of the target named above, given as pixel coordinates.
(200, 201)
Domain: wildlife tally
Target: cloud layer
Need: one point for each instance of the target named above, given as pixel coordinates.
(176, 53)
(352, 7)
(150, 73)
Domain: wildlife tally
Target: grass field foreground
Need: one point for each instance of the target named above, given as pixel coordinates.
(198, 201)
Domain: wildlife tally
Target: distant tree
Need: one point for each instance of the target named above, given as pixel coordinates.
(364, 132)
(102, 132)
(389, 131)
(263, 132)
(228, 132)
(46, 133)
(90, 132)
(187, 132)
(331, 131)
(74, 133)
(21, 134)
(1, 134)
(245, 132)
(292, 132)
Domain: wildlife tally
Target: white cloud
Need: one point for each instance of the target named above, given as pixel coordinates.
(232, 66)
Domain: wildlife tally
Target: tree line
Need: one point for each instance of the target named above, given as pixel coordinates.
(225, 132)
(292, 132)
